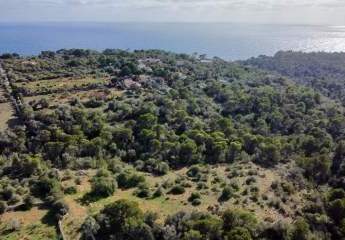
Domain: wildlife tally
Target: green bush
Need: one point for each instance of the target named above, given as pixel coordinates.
(227, 193)
(193, 235)
(238, 218)
(143, 191)
(158, 193)
(103, 186)
(177, 189)
(300, 230)
(3, 206)
(196, 202)
(117, 219)
(194, 171)
(70, 190)
(336, 194)
(129, 180)
(193, 196)
(238, 233)
(28, 202)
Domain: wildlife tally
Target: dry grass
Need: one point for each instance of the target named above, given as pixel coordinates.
(31, 226)
(56, 99)
(25, 217)
(58, 84)
(170, 204)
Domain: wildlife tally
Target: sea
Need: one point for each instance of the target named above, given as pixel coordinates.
(230, 41)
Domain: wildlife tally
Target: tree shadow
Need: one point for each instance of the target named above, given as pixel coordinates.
(13, 122)
(88, 198)
(7, 232)
(50, 218)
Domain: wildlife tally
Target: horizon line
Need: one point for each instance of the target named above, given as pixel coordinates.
(168, 22)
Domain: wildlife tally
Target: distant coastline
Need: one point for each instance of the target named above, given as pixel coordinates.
(229, 41)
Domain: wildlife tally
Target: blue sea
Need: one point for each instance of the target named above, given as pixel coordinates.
(225, 40)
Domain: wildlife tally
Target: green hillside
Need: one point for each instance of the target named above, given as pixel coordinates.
(156, 145)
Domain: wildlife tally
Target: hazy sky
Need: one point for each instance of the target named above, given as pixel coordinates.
(261, 11)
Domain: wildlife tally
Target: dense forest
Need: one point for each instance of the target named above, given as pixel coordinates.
(324, 72)
(156, 145)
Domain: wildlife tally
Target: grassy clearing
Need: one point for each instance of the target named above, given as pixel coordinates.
(33, 225)
(56, 99)
(60, 84)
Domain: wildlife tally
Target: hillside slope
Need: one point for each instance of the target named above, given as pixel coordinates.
(108, 140)
(324, 72)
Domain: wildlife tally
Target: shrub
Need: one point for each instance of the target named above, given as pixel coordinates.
(336, 194)
(67, 175)
(186, 184)
(227, 193)
(89, 228)
(177, 189)
(274, 185)
(336, 210)
(103, 173)
(143, 191)
(193, 196)
(239, 218)
(201, 185)
(158, 193)
(15, 199)
(78, 181)
(264, 197)
(129, 180)
(28, 201)
(116, 219)
(235, 185)
(238, 233)
(150, 218)
(233, 173)
(162, 168)
(194, 171)
(103, 186)
(193, 235)
(8, 192)
(60, 208)
(70, 190)
(301, 230)
(250, 180)
(47, 185)
(167, 184)
(196, 202)
(3, 206)
(275, 203)
(288, 187)
(254, 189)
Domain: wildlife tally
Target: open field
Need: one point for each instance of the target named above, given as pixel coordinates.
(33, 225)
(59, 84)
(56, 99)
